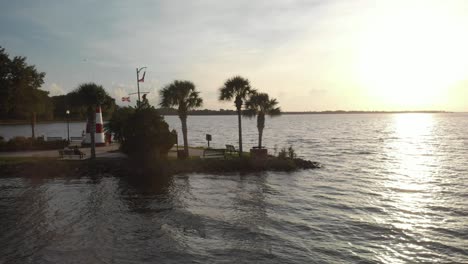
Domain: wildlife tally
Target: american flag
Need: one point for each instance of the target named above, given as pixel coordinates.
(126, 99)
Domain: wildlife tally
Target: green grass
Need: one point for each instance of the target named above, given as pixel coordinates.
(19, 160)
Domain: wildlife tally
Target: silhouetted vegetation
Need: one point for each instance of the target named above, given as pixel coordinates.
(62, 103)
(90, 96)
(117, 122)
(259, 105)
(28, 143)
(20, 97)
(183, 95)
(288, 153)
(143, 134)
(237, 89)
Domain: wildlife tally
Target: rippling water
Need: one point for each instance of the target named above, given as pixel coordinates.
(394, 189)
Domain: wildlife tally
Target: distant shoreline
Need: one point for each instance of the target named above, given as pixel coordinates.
(171, 112)
(27, 122)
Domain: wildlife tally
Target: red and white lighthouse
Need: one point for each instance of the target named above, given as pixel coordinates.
(99, 136)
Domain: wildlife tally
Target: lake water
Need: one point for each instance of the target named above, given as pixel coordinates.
(394, 189)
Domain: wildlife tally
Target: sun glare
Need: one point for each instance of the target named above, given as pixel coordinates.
(410, 56)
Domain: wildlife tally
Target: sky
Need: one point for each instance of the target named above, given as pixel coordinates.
(312, 55)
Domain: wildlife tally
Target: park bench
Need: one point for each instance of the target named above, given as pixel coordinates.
(214, 153)
(71, 153)
(76, 138)
(231, 149)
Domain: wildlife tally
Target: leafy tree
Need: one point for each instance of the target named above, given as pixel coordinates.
(239, 89)
(90, 96)
(260, 105)
(5, 83)
(20, 96)
(183, 95)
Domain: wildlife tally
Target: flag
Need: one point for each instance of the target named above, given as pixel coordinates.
(126, 99)
(142, 78)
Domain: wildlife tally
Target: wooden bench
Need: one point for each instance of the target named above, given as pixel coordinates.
(214, 153)
(76, 138)
(231, 149)
(71, 153)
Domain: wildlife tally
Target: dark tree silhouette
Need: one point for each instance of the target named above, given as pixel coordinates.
(20, 96)
(183, 95)
(91, 96)
(259, 104)
(239, 89)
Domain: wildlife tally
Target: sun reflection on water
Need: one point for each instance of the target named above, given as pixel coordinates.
(410, 170)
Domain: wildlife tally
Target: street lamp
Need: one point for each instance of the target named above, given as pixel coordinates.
(138, 70)
(68, 125)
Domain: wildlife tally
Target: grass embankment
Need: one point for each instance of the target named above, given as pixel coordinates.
(51, 167)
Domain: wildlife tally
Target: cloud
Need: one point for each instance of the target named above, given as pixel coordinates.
(55, 89)
(287, 48)
(120, 90)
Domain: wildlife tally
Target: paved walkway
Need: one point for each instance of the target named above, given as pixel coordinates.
(101, 152)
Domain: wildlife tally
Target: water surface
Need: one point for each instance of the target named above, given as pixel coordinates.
(393, 190)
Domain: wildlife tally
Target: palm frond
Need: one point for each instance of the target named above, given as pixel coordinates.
(250, 113)
(180, 94)
(236, 86)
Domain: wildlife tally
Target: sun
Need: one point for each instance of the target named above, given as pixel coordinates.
(411, 54)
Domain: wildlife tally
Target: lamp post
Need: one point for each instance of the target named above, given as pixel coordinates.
(138, 82)
(68, 125)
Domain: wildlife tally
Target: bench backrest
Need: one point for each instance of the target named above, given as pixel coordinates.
(213, 152)
(76, 138)
(54, 138)
(230, 148)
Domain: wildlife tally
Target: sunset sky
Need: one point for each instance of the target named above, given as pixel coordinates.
(310, 55)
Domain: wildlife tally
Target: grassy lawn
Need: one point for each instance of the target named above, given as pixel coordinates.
(19, 160)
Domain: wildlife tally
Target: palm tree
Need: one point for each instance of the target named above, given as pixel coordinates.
(239, 89)
(181, 94)
(91, 96)
(260, 105)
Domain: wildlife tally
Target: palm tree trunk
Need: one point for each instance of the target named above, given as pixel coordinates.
(92, 131)
(240, 130)
(184, 133)
(260, 127)
(33, 125)
(260, 134)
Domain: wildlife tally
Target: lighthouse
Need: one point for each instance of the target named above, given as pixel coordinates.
(99, 136)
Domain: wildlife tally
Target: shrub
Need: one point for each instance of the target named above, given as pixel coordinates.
(145, 137)
(117, 123)
(24, 143)
(282, 154)
(289, 153)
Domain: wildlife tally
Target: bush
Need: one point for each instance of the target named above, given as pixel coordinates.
(146, 137)
(283, 154)
(289, 153)
(24, 143)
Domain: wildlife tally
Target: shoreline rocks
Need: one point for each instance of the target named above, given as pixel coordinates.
(124, 166)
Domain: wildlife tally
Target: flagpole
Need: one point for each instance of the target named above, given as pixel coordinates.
(138, 83)
(138, 86)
